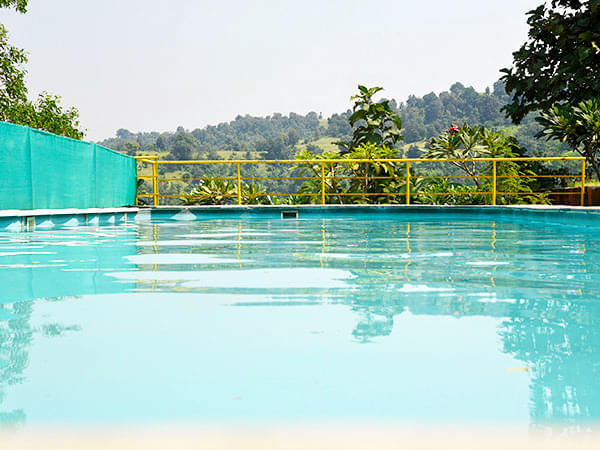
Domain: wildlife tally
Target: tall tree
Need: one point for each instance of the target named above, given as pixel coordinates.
(560, 62)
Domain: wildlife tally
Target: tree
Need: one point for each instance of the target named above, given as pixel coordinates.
(560, 62)
(578, 126)
(468, 142)
(183, 145)
(12, 84)
(19, 5)
(45, 113)
(292, 137)
(372, 122)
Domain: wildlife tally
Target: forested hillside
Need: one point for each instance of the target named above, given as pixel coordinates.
(280, 136)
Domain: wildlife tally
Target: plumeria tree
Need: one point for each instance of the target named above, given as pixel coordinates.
(578, 126)
(472, 142)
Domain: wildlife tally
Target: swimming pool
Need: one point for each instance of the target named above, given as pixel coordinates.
(476, 316)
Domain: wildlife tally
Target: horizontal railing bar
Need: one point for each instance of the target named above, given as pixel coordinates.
(348, 194)
(538, 193)
(539, 176)
(350, 161)
(280, 178)
(399, 177)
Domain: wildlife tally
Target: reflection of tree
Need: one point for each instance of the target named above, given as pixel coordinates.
(16, 335)
(86, 253)
(15, 339)
(560, 341)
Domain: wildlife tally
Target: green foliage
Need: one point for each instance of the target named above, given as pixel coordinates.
(471, 142)
(372, 122)
(370, 177)
(578, 126)
(12, 84)
(18, 5)
(47, 114)
(560, 62)
(442, 191)
(215, 191)
(312, 188)
(255, 195)
(141, 192)
(468, 142)
(211, 191)
(343, 178)
(183, 146)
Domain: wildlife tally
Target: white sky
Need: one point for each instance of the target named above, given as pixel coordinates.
(152, 65)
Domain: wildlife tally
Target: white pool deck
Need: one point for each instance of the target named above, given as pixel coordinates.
(277, 437)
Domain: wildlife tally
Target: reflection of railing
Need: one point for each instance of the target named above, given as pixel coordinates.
(324, 177)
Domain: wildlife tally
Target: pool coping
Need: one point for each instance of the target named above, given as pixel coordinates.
(31, 220)
(19, 213)
(62, 212)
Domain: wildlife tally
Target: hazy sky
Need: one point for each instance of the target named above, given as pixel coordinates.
(149, 65)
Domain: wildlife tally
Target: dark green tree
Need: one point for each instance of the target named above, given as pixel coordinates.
(560, 62)
(372, 122)
(578, 126)
(184, 145)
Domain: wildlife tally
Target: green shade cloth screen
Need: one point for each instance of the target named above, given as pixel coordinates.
(40, 170)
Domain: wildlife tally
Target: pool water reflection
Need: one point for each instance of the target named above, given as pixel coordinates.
(230, 320)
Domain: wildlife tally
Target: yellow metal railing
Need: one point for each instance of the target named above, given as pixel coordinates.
(155, 195)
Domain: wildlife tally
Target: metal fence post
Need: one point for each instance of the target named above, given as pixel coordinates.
(322, 183)
(155, 182)
(494, 183)
(582, 199)
(407, 183)
(239, 184)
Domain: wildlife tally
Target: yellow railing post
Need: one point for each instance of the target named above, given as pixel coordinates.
(239, 184)
(155, 182)
(407, 183)
(322, 183)
(582, 199)
(494, 183)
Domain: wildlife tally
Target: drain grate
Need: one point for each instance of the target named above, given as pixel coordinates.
(289, 214)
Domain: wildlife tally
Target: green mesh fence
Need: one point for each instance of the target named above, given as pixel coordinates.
(40, 170)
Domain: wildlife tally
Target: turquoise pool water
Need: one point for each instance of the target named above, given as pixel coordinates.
(419, 319)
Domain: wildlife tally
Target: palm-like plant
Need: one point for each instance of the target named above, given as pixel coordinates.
(211, 191)
(578, 126)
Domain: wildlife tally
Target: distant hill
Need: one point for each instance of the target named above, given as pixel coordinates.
(280, 136)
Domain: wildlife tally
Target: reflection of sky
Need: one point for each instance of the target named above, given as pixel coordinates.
(241, 320)
(165, 357)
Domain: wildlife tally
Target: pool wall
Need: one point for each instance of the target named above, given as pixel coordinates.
(15, 220)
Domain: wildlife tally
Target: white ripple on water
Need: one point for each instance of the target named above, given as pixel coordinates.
(422, 288)
(229, 234)
(249, 278)
(26, 253)
(181, 258)
(487, 263)
(189, 242)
